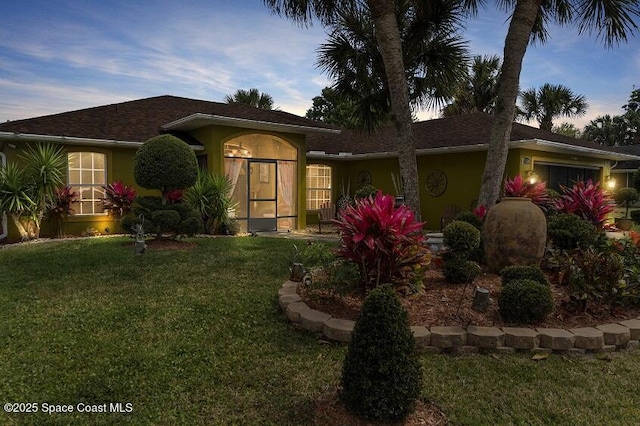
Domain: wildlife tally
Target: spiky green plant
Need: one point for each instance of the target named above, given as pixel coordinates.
(210, 196)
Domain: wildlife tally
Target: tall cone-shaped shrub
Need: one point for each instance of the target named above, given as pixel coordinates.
(381, 375)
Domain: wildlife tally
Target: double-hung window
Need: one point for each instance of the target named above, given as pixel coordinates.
(318, 185)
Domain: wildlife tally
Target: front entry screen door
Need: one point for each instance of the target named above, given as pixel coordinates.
(263, 195)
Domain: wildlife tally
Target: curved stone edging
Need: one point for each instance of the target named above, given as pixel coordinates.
(599, 339)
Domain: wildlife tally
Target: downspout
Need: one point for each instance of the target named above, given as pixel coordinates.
(5, 230)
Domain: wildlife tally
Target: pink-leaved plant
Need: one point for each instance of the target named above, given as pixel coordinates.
(118, 198)
(519, 187)
(385, 242)
(587, 200)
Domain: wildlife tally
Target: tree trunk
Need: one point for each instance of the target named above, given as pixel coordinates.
(389, 44)
(24, 234)
(515, 46)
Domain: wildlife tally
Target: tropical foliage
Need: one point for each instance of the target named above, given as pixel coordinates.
(118, 198)
(60, 208)
(434, 57)
(383, 241)
(477, 91)
(333, 109)
(587, 200)
(251, 97)
(210, 196)
(519, 187)
(551, 101)
(618, 130)
(28, 188)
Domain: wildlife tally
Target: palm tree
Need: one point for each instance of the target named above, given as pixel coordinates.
(607, 131)
(612, 20)
(550, 101)
(251, 97)
(389, 44)
(478, 89)
(434, 58)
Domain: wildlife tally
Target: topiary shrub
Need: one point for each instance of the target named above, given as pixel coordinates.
(461, 238)
(522, 272)
(165, 163)
(568, 231)
(460, 271)
(470, 218)
(165, 221)
(525, 301)
(381, 375)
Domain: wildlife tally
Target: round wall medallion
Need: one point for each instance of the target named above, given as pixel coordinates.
(436, 183)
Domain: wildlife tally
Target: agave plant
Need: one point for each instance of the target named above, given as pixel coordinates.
(118, 198)
(587, 200)
(383, 241)
(519, 187)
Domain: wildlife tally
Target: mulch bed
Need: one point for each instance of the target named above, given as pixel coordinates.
(443, 304)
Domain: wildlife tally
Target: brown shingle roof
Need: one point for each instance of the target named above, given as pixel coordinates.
(457, 131)
(142, 119)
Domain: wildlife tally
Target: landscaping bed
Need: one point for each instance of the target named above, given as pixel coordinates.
(443, 304)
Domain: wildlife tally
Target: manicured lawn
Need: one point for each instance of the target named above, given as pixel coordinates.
(197, 337)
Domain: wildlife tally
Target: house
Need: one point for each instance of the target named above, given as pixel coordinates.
(282, 166)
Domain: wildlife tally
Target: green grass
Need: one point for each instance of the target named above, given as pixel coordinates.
(197, 337)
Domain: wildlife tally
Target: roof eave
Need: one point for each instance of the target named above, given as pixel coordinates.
(72, 140)
(197, 120)
(545, 145)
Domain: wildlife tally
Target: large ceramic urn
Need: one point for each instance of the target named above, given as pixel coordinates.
(514, 233)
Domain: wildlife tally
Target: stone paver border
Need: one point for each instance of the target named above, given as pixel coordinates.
(600, 339)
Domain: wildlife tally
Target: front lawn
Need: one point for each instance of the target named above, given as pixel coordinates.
(196, 337)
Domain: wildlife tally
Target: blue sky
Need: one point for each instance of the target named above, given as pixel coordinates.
(66, 55)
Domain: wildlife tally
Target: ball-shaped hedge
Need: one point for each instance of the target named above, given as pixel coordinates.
(525, 301)
(461, 237)
(568, 231)
(165, 163)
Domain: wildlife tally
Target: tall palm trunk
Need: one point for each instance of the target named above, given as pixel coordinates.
(515, 46)
(388, 39)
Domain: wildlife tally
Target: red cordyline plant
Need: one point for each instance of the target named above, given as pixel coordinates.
(385, 242)
(118, 198)
(173, 196)
(519, 187)
(587, 200)
(60, 207)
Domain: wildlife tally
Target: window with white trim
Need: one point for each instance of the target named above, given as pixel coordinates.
(318, 185)
(87, 175)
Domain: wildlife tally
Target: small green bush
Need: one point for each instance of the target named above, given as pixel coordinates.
(568, 231)
(635, 215)
(365, 191)
(165, 162)
(525, 301)
(461, 238)
(460, 271)
(165, 221)
(522, 272)
(381, 375)
(471, 218)
(190, 226)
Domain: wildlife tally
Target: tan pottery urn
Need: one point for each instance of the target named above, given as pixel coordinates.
(514, 233)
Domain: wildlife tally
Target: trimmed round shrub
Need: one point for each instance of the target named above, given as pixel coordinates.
(190, 226)
(523, 272)
(381, 375)
(470, 218)
(165, 221)
(568, 231)
(525, 301)
(460, 271)
(165, 163)
(461, 238)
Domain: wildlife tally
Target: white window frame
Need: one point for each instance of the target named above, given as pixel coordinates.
(80, 186)
(317, 195)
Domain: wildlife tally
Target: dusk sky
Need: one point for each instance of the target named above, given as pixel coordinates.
(67, 55)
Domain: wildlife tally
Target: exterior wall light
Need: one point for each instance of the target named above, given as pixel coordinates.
(611, 182)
